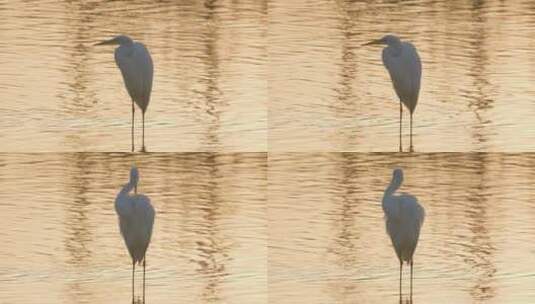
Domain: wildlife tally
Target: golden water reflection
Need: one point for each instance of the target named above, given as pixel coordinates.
(62, 239)
(62, 94)
(328, 242)
(332, 94)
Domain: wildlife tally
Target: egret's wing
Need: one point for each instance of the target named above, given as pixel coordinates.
(413, 215)
(137, 228)
(405, 70)
(404, 219)
(420, 213)
(136, 67)
(412, 210)
(144, 214)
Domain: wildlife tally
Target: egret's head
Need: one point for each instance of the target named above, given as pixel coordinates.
(119, 40)
(397, 175)
(134, 177)
(388, 40)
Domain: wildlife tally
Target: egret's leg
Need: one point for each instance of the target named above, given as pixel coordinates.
(411, 277)
(400, 119)
(133, 110)
(143, 136)
(400, 271)
(143, 279)
(133, 271)
(411, 147)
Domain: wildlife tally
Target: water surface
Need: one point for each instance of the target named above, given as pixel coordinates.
(61, 240)
(61, 93)
(327, 93)
(327, 239)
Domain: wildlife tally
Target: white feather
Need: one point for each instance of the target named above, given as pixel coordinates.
(136, 219)
(405, 69)
(136, 66)
(404, 217)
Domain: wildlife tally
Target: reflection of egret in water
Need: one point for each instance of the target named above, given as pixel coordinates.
(481, 101)
(79, 237)
(80, 98)
(136, 218)
(212, 93)
(347, 103)
(77, 77)
(403, 64)
(348, 209)
(211, 246)
(135, 63)
(404, 217)
(480, 250)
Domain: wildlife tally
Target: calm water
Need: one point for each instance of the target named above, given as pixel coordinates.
(60, 93)
(330, 94)
(327, 240)
(61, 242)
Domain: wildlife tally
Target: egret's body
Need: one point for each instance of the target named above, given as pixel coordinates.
(136, 218)
(404, 217)
(405, 68)
(135, 63)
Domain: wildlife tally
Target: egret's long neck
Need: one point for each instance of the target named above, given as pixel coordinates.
(126, 189)
(394, 185)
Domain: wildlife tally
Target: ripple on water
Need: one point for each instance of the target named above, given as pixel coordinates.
(337, 96)
(69, 96)
(327, 234)
(62, 238)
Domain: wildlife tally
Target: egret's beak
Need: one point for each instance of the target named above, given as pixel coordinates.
(106, 42)
(376, 41)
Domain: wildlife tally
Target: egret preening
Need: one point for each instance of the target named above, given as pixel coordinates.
(404, 218)
(136, 218)
(403, 64)
(135, 63)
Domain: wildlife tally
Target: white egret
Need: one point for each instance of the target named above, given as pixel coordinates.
(135, 63)
(404, 217)
(136, 218)
(403, 64)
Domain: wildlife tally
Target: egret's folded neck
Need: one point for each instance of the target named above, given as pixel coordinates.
(393, 187)
(127, 188)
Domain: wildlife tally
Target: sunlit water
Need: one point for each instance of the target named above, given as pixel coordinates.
(327, 239)
(327, 93)
(61, 242)
(60, 93)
